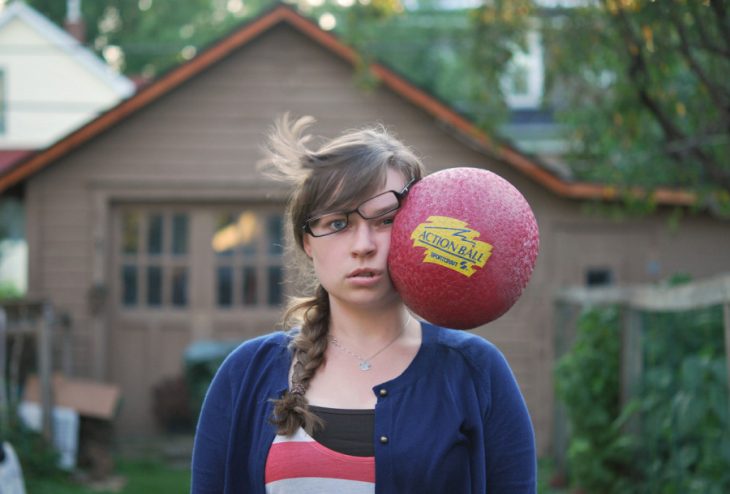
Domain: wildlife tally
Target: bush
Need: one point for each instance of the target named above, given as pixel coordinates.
(8, 291)
(37, 457)
(587, 381)
(684, 403)
(683, 444)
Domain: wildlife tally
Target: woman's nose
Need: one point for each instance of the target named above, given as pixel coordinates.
(363, 242)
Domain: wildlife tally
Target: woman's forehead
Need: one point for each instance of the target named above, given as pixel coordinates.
(350, 194)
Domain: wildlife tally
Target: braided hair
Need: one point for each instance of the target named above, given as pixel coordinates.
(335, 176)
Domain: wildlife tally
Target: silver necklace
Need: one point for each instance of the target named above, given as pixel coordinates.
(365, 363)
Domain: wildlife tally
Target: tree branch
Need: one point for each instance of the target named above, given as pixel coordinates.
(719, 93)
(722, 20)
(638, 73)
(708, 44)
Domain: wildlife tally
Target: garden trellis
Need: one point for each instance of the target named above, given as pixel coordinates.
(640, 306)
(33, 339)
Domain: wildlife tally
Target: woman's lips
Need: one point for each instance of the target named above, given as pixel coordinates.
(365, 276)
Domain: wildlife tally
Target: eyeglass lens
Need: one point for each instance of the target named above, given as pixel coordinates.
(370, 209)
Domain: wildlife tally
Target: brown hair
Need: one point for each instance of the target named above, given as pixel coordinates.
(338, 175)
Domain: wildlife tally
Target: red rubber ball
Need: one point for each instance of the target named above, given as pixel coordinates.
(463, 247)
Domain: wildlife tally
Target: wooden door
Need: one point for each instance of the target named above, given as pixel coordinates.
(182, 273)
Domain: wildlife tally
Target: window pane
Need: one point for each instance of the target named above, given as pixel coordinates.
(276, 234)
(180, 287)
(154, 234)
(275, 288)
(130, 233)
(225, 286)
(599, 277)
(247, 230)
(129, 285)
(154, 286)
(180, 234)
(249, 285)
(224, 238)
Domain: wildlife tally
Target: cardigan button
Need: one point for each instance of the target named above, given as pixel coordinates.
(384, 439)
(383, 392)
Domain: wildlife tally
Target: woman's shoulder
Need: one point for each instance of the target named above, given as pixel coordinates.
(259, 348)
(462, 345)
(459, 339)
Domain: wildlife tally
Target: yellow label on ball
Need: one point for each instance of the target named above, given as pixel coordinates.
(450, 243)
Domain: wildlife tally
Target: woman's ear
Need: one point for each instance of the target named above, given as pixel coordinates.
(307, 246)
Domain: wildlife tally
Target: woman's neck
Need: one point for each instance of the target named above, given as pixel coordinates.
(366, 328)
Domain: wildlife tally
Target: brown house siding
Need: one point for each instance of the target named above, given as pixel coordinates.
(197, 146)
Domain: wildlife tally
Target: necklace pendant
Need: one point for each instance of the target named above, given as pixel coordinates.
(365, 365)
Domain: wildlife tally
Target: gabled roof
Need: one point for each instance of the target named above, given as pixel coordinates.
(68, 44)
(408, 91)
(8, 157)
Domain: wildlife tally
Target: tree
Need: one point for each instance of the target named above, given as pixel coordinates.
(638, 85)
(643, 88)
(147, 37)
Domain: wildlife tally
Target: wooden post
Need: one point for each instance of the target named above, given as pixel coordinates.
(4, 404)
(564, 335)
(631, 359)
(726, 311)
(45, 345)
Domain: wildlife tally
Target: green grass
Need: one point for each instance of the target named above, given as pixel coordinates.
(154, 477)
(142, 477)
(545, 474)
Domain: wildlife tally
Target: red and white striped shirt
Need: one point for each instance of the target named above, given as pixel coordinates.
(298, 464)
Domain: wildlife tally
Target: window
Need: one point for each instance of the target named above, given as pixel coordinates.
(154, 259)
(524, 79)
(248, 248)
(599, 277)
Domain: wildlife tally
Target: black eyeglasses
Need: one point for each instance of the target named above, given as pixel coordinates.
(375, 207)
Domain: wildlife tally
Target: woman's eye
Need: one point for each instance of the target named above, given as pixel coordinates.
(387, 221)
(337, 224)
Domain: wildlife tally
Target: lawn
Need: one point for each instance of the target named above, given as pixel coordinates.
(154, 477)
(139, 476)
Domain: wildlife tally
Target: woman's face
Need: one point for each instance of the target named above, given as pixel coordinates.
(352, 264)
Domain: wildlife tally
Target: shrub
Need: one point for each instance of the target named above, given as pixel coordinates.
(587, 381)
(684, 403)
(683, 441)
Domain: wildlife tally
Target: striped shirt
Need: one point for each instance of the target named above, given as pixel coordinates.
(298, 464)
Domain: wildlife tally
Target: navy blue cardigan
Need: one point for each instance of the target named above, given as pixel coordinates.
(455, 420)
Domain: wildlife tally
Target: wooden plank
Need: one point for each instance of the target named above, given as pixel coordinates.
(726, 313)
(564, 334)
(45, 368)
(4, 404)
(696, 295)
(631, 360)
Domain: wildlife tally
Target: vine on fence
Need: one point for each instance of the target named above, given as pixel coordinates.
(587, 381)
(685, 422)
(683, 439)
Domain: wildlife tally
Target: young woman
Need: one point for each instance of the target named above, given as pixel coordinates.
(359, 396)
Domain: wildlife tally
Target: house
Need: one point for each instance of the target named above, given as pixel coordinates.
(50, 84)
(130, 218)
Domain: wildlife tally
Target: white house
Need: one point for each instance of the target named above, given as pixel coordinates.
(50, 85)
